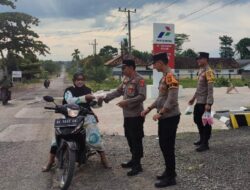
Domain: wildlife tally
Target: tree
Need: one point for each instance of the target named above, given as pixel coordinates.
(124, 46)
(94, 69)
(179, 40)
(189, 53)
(144, 56)
(226, 51)
(16, 36)
(76, 57)
(8, 3)
(242, 48)
(108, 51)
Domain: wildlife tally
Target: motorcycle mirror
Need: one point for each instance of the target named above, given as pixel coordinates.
(48, 98)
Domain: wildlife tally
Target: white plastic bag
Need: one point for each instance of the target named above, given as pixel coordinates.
(93, 136)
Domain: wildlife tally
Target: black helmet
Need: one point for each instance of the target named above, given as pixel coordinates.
(77, 74)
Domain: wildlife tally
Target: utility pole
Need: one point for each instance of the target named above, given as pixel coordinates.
(94, 44)
(129, 26)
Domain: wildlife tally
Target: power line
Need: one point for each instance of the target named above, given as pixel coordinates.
(209, 12)
(156, 12)
(196, 11)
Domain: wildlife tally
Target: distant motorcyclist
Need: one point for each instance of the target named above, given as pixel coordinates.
(81, 95)
(5, 85)
(46, 83)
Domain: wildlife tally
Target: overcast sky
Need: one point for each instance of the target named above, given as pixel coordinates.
(69, 24)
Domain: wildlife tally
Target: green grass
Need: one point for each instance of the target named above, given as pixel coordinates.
(188, 83)
(109, 84)
(220, 82)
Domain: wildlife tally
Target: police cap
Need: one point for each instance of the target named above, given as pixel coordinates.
(163, 56)
(129, 63)
(203, 55)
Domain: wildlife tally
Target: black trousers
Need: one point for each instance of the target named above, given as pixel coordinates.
(133, 129)
(204, 131)
(167, 133)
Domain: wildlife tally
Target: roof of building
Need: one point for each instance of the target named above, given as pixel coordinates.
(243, 61)
(215, 63)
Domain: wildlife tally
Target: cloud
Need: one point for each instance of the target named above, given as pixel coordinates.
(67, 25)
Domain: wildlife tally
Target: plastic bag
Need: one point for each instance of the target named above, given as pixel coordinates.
(93, 136)
(189, 110)
(99, 95)
(207, 118)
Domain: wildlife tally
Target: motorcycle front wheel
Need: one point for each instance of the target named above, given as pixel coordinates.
(66, 167)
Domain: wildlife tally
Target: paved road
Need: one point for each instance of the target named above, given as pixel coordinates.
(26, 129)
(25, 136)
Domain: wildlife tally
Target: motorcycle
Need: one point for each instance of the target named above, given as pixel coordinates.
(46, 83)
(5, 95)
(71, 139)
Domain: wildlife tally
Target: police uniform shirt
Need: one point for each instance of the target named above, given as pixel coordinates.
(134, 92)
(204, 91)
(168, 95)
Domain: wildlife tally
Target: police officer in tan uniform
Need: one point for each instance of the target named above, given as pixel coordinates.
(204, 100)
(133, 90)
(168, 116)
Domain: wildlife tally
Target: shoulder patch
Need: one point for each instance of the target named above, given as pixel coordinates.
(210, 76)
(142, 82)
(171, 81)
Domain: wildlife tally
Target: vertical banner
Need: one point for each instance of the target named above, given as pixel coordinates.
(164, 40)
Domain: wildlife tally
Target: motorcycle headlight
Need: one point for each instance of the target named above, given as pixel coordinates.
(72, 113)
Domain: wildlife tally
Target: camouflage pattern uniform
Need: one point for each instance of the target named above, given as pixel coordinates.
(134, 92)
(203, 96)
(168, 122)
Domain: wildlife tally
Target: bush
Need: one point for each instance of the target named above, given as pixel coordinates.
(188, 83)
(220, 82)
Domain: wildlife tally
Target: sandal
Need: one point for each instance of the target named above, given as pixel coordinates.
(48, 167)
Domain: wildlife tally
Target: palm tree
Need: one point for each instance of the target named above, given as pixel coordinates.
(76, 56)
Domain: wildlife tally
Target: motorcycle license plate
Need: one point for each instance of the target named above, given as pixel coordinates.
(66, 122)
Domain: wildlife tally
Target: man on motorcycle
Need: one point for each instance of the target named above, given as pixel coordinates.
(46, 83)
(81, 95)
(5, 84)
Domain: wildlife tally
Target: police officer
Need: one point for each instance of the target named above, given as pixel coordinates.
(133, 90)
(168, 116)
(204, 100)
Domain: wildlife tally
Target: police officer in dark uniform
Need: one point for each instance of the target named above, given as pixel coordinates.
(168, 116)
(204, 100)
(133, 90)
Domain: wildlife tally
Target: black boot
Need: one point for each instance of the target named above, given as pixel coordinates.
(127, 164)
(164, 175)
(197, 143)
(167, 181)
(136, 169)
(202, 147)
